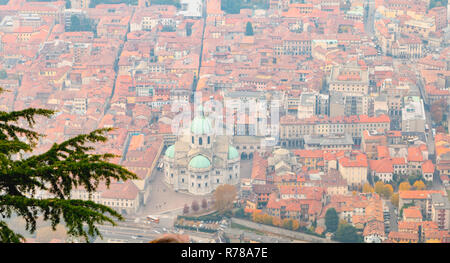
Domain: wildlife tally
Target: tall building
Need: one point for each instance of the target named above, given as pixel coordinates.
(348, 105)
(440, 17)
(349, 80)
(413, 115)
(191, 8)
(200, 161)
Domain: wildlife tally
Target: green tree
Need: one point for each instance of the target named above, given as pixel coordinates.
(331, 220)
(64, 166)
(314, 223)
(249, 29)
(240, 213)
(413, 178)
(347, 233)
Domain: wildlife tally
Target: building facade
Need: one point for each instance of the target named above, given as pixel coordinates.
(200, 161)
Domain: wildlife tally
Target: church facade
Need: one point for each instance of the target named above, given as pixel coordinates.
(200, 161)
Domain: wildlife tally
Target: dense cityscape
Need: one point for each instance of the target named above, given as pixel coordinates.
(324, 120)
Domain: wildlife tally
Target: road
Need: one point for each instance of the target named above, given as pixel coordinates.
(134, 230)
(205, 2)
(277, 231)
(370, 17)
(116, 69)
(393, 220)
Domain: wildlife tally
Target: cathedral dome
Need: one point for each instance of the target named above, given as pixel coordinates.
(232, 153)
(201, 125)
(199, 162)
(170, 152)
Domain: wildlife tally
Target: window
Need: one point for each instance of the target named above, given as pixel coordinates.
(209, 140)
(200, 141)
(192, 139)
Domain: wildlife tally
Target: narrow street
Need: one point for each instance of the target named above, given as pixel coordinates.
(205, 2)
(116, 69)
(392, 216)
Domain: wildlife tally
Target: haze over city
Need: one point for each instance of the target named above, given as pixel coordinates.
(225, 121)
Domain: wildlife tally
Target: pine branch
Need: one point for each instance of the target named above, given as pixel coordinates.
(13, 147)
(7, 235)
(76, 213)
(66, 166)
(28, 114)
(10, 132)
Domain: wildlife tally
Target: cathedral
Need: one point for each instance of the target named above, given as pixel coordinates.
(200, 161)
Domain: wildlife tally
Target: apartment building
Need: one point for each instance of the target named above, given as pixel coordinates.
(293, 130)
(354, 169)
(413, 115)
(349, 79)
(440, 211)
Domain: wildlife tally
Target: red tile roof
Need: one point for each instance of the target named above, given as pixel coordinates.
(360, 160)
(382, 166)
(403, 236)
(259, 168)
(418, 194)
(383, 151)
(412, 212)
(414, 154)
(428, 167)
